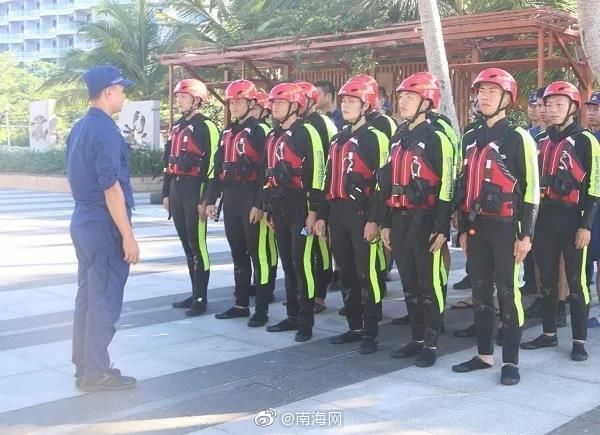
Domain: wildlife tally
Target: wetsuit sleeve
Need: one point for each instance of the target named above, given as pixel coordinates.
(528, 177)
(591, 181)
(323, 212)
(381, 146)
(166, 177)
(206, 134)
(459, 189)
(214, 187)
(443, 161)
(259, 137)
(313, 165)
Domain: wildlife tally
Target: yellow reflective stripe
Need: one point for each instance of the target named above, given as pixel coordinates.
(449, 132)
(265, 128)
(316, 144)
(214, 139)
(381, 257)
(437, 284)
(331, 128)
(324, 253)
(517, 295)
(447, 175)
(594, 187)
(443, 272)
(202, 238)
(263, 259)
(307, 262)
(384, 146)
(373, 275)
(532, 190)
(393, 125)
(583, 277)
(272, 247)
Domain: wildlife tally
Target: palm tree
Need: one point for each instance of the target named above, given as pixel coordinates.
(128, 36)
(590, 33)
(437, 61)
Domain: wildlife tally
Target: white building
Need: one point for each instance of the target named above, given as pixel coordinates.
(44, 29)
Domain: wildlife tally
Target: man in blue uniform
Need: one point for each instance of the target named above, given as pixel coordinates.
(97, 168)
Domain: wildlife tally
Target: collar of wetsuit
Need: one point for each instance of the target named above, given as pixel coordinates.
(485, 134)
(417, 134)
(312, 117)
(556, 136)
(248, 123)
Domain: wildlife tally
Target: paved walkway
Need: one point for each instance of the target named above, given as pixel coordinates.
(208, 375)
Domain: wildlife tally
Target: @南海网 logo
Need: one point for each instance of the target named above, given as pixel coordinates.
(265, 418)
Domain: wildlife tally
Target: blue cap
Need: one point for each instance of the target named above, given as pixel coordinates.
(595, 99)
(532, 99)
(101, 77)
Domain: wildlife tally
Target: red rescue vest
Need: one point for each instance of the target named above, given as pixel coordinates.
(351, 177)
(561, 172)
(414, 181)
(240, 157)
(284, 164)
(182, 141)
(490, 187)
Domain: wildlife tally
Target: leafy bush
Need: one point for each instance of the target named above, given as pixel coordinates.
(52, 162)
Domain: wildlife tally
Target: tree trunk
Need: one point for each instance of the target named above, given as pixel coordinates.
(437, 62)
(590, 33)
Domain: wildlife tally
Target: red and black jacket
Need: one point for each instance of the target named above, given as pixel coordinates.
(499, 178)
(185, 151)
(289, 160)
(352, 164)
(567, 172)
(239, 159)
(411, 180)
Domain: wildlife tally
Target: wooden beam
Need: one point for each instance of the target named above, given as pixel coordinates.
(226, 112)
(540, 58)
(194, 74)
(511, 64)
(258, 72)
(170, 98)
(563, 47)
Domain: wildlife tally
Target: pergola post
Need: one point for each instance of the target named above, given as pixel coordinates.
(226, 113)
(540, 58)
(170, 97)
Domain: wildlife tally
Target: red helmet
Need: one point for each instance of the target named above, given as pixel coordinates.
(262, 99)
(563, 88)
(194, 87)
(499, 77)
(364, 78)
(309, 89)
(425, 84)
(358, 89)
(241, 89)
(290, 92)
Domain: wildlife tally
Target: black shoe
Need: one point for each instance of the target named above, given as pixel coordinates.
(509, 375)
(404, 320)
(411, 349)
(252, 290)
(368, 345)
(186, 303)
(528, 289)
(336, 282)
(534, 310)
(79, 375)
(342, 311)
(233, 313)
(468, 366)
(463, 284)
(541, 341)
(426, 358)
(469, 331)
(109, 380)
(258, 319)
(561, 315)
(346, 337)
(304, 335)
(198, 308)
(578, 352)
(500, 337)
(284, 325)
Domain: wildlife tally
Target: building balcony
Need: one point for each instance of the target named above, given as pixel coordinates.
(3, 19)
(14, 38)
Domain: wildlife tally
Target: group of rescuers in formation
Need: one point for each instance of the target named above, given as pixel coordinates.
(302, 189)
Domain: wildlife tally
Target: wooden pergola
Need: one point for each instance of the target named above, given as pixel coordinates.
(541, 39)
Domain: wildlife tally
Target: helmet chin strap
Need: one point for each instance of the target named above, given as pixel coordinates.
(248, 110)
(289, 113)
(417, 112)
(569, 114)
(361, 116)
(194, 106)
